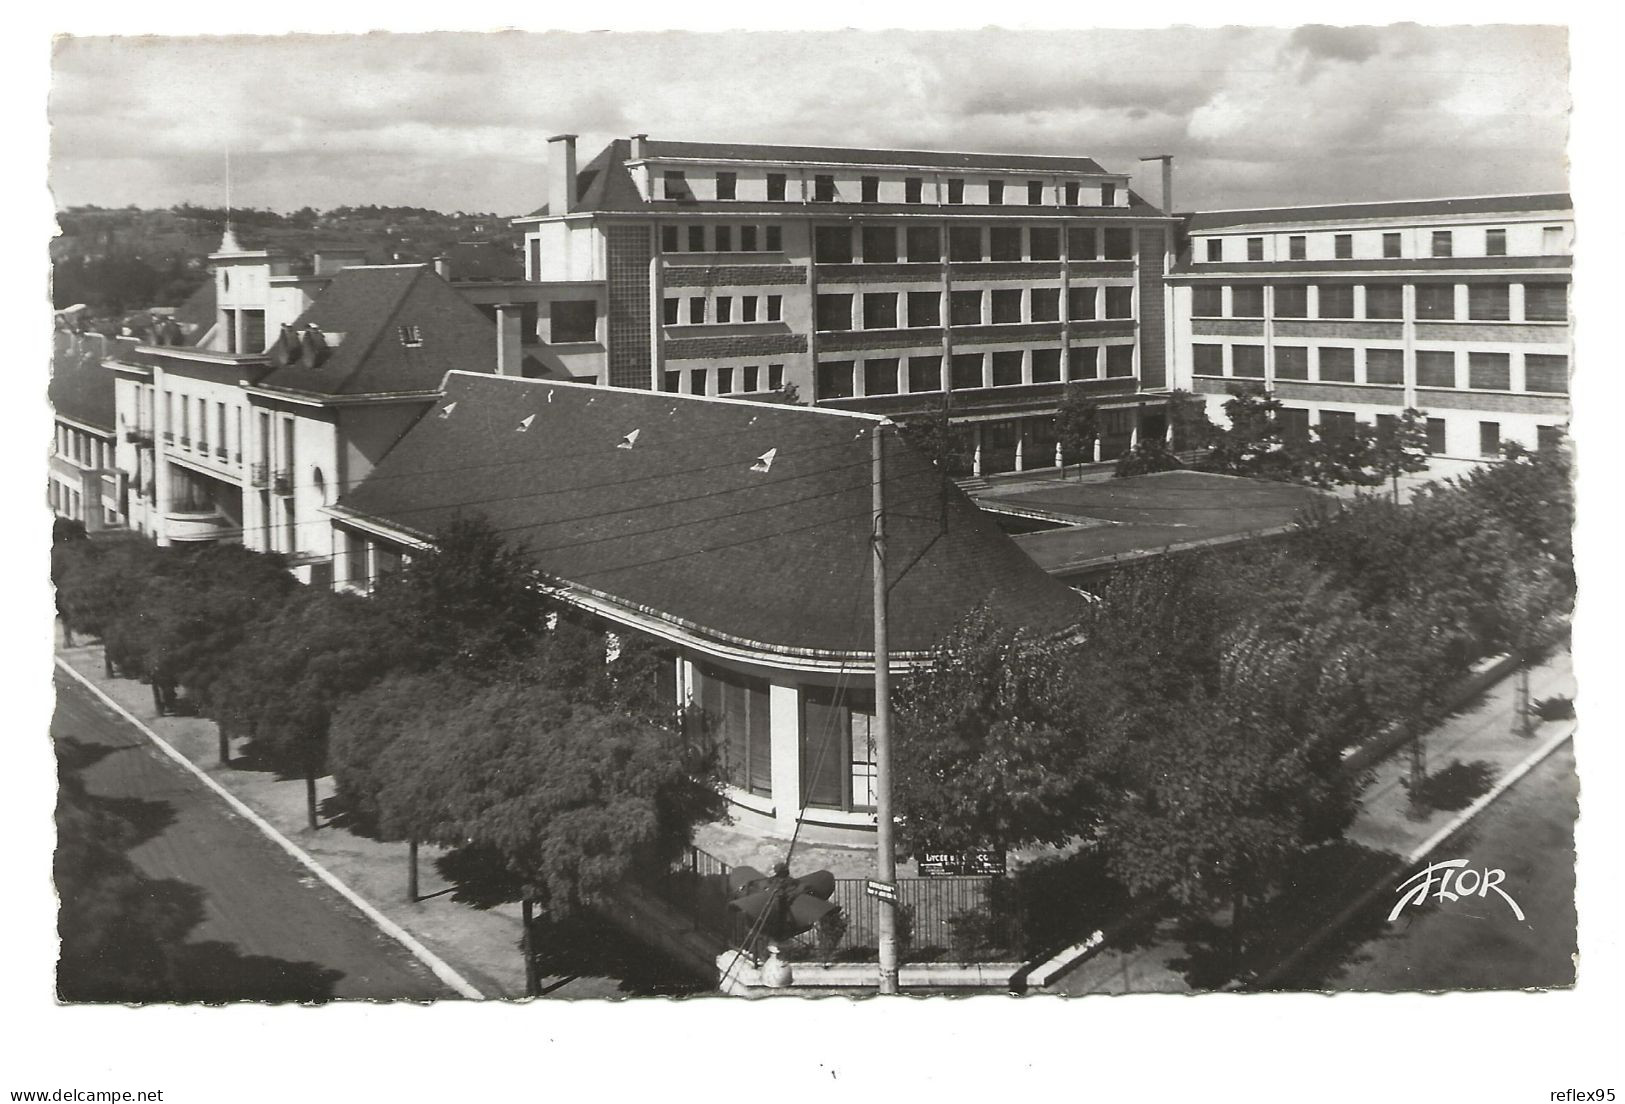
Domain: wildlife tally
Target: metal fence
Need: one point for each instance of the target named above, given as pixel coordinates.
(952, 919)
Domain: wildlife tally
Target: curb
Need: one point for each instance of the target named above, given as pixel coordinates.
(384, 924)
(1420, 851)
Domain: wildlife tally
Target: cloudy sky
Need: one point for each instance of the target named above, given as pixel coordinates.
(460, 121)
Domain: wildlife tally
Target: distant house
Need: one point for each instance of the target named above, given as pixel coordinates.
(738, 533)
(290, 387)
(83, 484)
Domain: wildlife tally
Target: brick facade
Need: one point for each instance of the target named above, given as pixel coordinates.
(1331, 328)
(1490, 331)
(733, 275)
(1153, 313)
(1493, 401)
(700, 348)
(629, 252)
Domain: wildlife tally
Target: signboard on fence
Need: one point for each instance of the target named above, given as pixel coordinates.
(943, 864)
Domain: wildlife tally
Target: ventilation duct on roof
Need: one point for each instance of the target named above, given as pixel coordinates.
(764, 462)
(630, 439)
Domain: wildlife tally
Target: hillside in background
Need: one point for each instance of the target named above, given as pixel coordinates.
(117, 260)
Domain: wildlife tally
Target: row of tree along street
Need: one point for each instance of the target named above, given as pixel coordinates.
(460, 705)
(1192, 728)
(1191, 732)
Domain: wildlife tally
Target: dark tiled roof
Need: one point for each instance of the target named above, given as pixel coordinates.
(369, 305)
(1353, 212)
(80, 388)
(604, 184)
(197, 314)
(681, 527)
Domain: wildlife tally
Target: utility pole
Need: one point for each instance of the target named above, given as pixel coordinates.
(885, 855)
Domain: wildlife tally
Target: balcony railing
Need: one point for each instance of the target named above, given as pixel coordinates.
(186, 442)
(169, 436)
(222, 452)
(142, 438)
(282, 483)
(258, 475)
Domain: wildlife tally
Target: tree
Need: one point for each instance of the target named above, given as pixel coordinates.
(473, 599)
(929, 433)
(1335, 457)
(991, 743)
(1077, 425)
(1533, 493)
(1189, 424)
(544, 801)
(297, 667)
(1252, 444)
(1220, 787)
(1401, 446)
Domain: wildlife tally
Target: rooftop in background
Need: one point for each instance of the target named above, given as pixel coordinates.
(1386, 209)
(80, 389)
(604, 184)
(747, 523)
(1114, 521)
(837, 155)
(403, 329)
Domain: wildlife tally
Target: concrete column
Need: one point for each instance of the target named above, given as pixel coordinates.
(160, 461)
(1269, 337)
(1066, 303)
(784, 718)
(1407, 312)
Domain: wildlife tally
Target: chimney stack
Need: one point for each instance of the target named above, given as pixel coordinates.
(442, 267)
(1167, 160)
(510, 340)
(640, 146)
(561, 174)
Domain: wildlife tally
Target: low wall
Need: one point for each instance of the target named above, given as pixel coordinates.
(742, 977)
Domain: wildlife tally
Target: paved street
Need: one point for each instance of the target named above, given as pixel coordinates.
(1476, 942)
(269, 930)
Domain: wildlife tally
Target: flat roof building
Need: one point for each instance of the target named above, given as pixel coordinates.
(886, 281)
(1456, 307)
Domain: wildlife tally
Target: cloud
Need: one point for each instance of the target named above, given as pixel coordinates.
(461, 120)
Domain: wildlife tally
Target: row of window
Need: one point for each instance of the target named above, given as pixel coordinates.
(1441, 243)
(1295, 426)
(721, 310)
(828, 188)
(193, 425)
(1543, 373)
(1486, 302)
(923, 244)
(748, 379)
(703, 238)
(86, 449)
(836, 738)
(889, 310)
(839, 379)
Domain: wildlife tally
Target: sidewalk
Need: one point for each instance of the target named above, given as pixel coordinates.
(481, 945)
(1483, 729)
